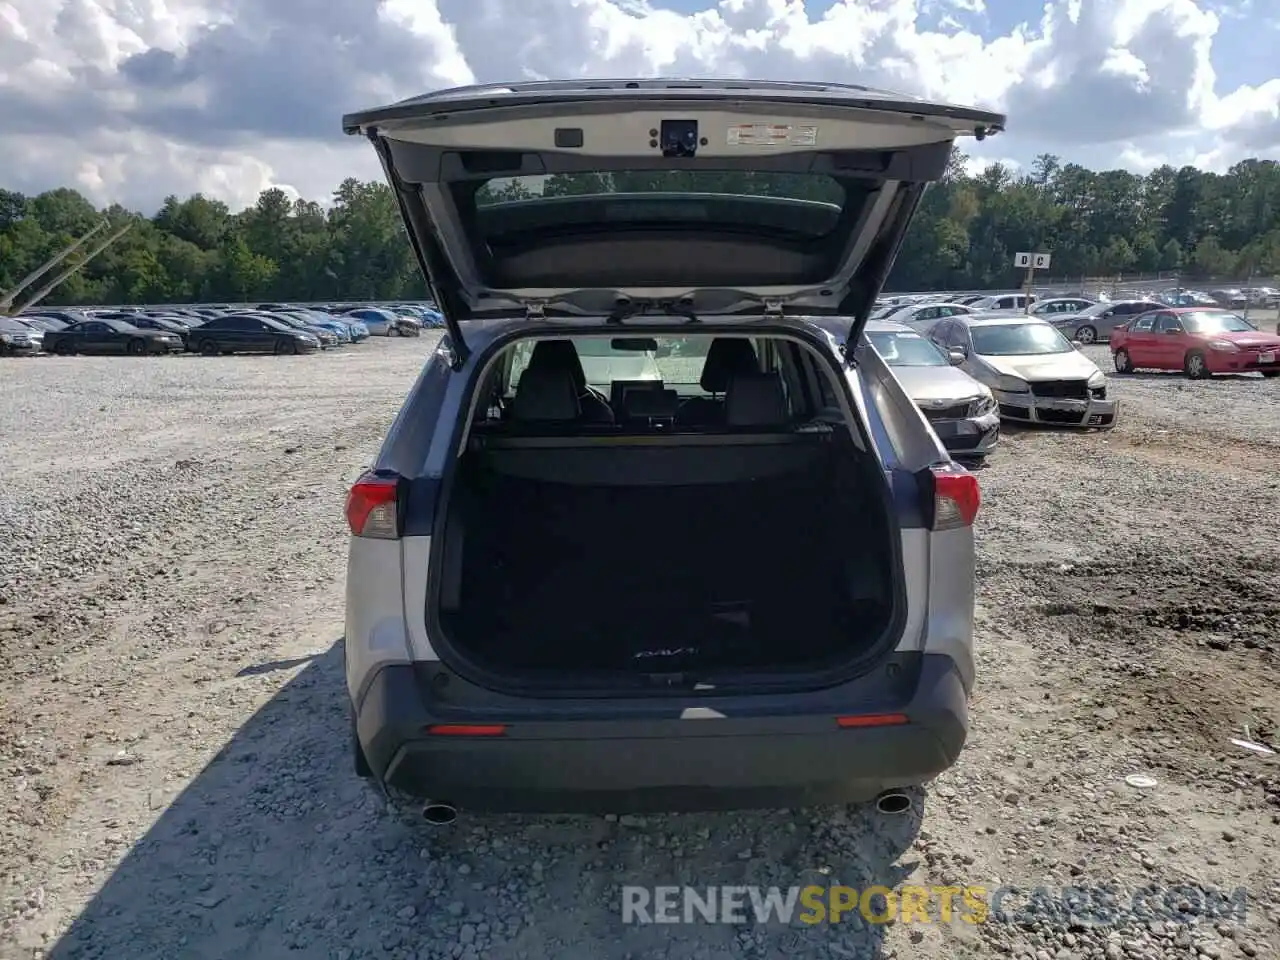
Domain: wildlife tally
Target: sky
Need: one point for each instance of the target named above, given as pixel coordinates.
(132, 100)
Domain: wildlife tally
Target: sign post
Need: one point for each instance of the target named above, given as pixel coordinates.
(1031, 262)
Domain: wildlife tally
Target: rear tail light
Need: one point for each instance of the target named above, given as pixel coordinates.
(863, 720)
(373, 506)
(467, 729)
(951, 497)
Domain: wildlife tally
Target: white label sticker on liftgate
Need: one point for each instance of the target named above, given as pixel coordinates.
(772, 135)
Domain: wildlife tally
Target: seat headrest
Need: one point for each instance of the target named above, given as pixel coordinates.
(755, 400)
(545, 394)
(562, 355)
(726, 358)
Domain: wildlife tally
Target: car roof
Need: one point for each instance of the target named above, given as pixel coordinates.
(888, 326)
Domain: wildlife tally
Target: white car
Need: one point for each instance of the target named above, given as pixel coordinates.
(919, 316)
(1036, 374)
(1004, 301)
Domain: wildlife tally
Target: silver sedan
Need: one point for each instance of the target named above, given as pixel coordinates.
(961, 410)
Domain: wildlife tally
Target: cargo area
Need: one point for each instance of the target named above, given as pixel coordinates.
(748, 538)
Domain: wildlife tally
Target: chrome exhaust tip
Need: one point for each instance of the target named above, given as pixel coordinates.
(438, 813)
(894, 802)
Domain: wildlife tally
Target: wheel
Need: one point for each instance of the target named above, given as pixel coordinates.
(1270, 373)
(1195, 367)
(1122, 361)
(63, 349)
(208, 348)
(137, 348)
(283, 347)
(1087, 334)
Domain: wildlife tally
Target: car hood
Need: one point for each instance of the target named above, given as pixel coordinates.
(661, 243)
(1054, 366)
(938, 383)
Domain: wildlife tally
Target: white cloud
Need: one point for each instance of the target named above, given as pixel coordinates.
(131, 99)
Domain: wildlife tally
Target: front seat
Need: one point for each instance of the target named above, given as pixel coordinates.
(727, 358)
(560, 355)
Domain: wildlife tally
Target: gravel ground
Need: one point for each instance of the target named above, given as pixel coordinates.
(173, 743)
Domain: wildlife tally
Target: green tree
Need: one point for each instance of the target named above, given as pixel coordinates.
(1203, 225)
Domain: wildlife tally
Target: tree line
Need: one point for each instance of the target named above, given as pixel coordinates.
(1198, 224)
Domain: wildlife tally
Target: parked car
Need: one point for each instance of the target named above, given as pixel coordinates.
(327, 337)
(107, 336)
(17, 339)
(1198, 341)
(1045, 309)
(1004, 301)
(37, 328)
(923, 314)
(1095, 324)
(250, 333)
(1231, 298)
(665, 563)
(381, 323)
(61, 317)
(143, 322)
(1035, 373)
(961, 410)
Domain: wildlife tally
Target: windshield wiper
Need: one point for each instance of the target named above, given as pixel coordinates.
(627, 309)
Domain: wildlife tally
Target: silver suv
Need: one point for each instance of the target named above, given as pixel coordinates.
(732, 566)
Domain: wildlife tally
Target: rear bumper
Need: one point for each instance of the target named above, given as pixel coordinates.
(580, 756)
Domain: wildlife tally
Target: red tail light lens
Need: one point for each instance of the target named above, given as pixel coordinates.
(956, 497)
(861, 720)
(373, 507)
(467, 729)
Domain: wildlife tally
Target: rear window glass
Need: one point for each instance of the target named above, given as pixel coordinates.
(817, 187)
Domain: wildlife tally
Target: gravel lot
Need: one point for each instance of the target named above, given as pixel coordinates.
(173, 745)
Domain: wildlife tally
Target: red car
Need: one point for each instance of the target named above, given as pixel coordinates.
(1198, 341)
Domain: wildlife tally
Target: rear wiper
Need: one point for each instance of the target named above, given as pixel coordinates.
(626, 309)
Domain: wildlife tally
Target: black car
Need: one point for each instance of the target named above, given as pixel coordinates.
(164, 324)
(97, 335)
(249, 333)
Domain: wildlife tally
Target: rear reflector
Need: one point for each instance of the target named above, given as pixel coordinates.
(373, 506)
(873, 720)
(954, 499)
(467, 729)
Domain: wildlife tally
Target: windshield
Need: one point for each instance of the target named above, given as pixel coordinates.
(904, 349)
(1210, 321)
(1018, 340)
